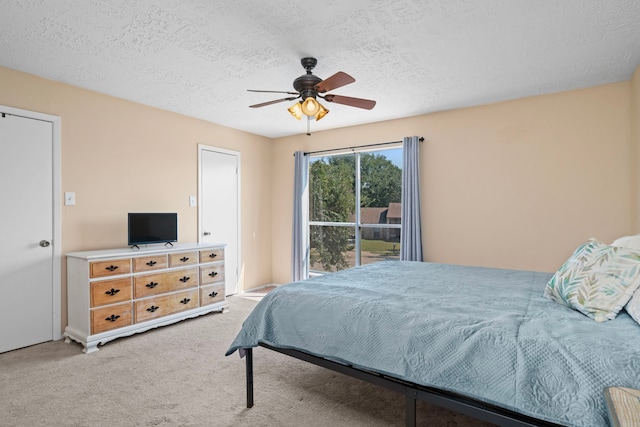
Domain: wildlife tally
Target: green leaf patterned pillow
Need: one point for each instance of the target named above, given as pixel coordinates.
(597, 280)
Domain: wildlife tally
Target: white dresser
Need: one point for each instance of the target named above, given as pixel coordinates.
(118, 292)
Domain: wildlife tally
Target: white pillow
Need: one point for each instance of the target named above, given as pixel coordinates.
(630, 242)
(633, 306)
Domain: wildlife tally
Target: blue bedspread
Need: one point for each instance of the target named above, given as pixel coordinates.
(481, 332)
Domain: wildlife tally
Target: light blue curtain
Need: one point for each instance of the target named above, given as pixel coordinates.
(411, 231)
(300, 244)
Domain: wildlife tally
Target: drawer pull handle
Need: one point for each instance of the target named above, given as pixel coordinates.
(184, 259)
(112, 292)
(185, 279)
(112, 318)
(151, 285)
(213, 294)
(151, 263)
(213, 274)
(213, 255)
(112, 268)
(152, 308)
(185, 301)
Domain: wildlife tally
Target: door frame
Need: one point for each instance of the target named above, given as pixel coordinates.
(204, 147)
(56, 238)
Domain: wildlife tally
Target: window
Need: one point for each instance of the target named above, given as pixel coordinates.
(342, 236)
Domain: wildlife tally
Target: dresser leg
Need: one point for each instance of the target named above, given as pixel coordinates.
(90, 348)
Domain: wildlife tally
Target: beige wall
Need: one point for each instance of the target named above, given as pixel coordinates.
(119, 156)
(517, 184)
(635, 150)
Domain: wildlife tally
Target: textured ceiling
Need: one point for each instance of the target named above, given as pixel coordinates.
(199, 57)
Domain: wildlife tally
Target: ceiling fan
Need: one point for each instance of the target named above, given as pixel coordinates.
(309, 87)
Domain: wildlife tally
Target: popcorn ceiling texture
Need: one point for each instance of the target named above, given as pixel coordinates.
(413, 57)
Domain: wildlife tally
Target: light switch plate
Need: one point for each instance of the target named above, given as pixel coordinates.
(69, 198)
(192, 201)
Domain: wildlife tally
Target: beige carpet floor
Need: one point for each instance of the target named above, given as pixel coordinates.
(178, 376)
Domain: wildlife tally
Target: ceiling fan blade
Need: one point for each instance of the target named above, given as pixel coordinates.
(367, 104)
(339, 79)
(272, 91)
(291, 98)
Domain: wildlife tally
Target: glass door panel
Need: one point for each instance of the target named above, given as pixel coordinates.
(332, 248)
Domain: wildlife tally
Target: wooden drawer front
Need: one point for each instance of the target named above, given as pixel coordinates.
(153, 284)
(112, 317)
(211, 274)
(110, 268)
(183, 258)
(211, 294)
(150, 263)
(151, 308)
(212, 255)
(110, 291)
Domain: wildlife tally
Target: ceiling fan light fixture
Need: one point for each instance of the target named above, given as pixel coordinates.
(296, 110)
(308, 87)
(310, 106)
(321, 112)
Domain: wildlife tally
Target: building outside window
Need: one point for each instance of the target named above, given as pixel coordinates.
(342, 235)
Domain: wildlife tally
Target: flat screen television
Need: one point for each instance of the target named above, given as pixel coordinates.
(145, 228)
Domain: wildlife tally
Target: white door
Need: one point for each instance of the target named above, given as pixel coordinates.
(26, 226)
(219, 206)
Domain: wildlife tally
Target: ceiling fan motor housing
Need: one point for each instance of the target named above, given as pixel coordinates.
(306, 83)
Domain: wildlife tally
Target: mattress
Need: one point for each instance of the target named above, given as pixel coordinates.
(481, 332)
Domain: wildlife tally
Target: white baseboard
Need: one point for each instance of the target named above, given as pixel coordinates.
(259, 288)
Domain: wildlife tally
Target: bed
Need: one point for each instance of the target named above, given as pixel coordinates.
(480, 341)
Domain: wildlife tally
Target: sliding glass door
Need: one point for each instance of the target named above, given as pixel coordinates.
(354, 209)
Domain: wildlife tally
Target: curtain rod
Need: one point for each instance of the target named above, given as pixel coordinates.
(358, 146)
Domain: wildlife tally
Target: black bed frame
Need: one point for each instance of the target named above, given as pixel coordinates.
(413, 392)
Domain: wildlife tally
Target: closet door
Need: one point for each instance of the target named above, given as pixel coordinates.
(220, 207)
(26, 227)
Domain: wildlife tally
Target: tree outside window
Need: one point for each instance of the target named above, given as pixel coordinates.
(341, 235)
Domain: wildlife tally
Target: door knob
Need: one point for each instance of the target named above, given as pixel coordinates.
(206, 233)
(44, 243)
